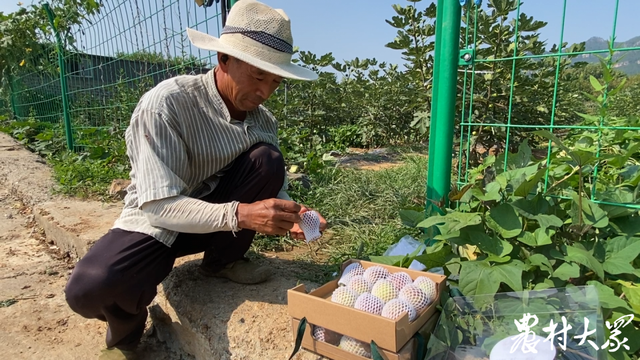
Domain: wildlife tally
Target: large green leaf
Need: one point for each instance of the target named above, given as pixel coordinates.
(513, 179)
(626, 225)
(435, 259)
(607, 297)
(583, 257)
(488, 244)
(592, 214)
(541, 261)
(632, 294)
(504, 220)
(492, 192)
(480, 277)
(529, 208)
(567, 271)
(411, 218)
(455, 220)
(476, 277)
(620, 252)
(539, 237)
(546, 221)
(528, 185)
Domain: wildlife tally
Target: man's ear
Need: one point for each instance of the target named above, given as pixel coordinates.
(223, 61)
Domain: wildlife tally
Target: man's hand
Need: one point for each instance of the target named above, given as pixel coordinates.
(269, 217)
(297, 233)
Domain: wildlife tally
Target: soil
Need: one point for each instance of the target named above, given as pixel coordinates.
(36, 321)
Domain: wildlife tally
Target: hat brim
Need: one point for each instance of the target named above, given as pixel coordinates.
(287, 70)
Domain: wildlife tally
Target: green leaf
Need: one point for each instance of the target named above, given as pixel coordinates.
(546, 221)
(620, 252)
(392, 260)
(531, 207)
(542, 262)
(582, 257)
(607, 297)
(492, 192)
(595, 83)
(411, 218)
(455, 220)
(491, 245)
(539, 237)
(632, 294)
(512, 180)
(527, 186)
(476, 277)
(567, 271)
(504, 220)
(480, 277)
(592, 214)
(435, 259)
(546, 134)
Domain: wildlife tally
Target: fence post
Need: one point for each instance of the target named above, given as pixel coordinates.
(63, 79)
(12, 99)
(443, 107)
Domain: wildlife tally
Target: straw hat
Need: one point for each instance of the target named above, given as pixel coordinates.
(259, 35)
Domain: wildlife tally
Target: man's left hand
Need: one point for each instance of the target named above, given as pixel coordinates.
(297, 233)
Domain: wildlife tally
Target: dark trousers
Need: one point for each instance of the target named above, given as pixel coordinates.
(117, 279)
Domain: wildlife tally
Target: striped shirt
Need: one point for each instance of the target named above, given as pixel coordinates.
(180, 140)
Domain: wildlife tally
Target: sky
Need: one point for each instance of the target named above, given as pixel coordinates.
(357, 28)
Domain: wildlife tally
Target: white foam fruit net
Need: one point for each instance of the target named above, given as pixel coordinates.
(428, 286)
(355, 346)
(384, 290)
(353, 269)
(414, 296)
(395, 308)
(358, 284)
(344, 296)
(310, 225)
(400, 280)
(369, 303)
(325, 335)
(375, 273)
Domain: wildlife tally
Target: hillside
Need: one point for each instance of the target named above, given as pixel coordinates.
(630, 64)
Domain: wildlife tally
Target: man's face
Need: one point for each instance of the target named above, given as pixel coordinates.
(249, 86)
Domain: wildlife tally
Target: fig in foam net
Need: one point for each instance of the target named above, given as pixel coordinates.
(400, 280)
(428, 286)
(414, 296)
(359, 284)
(396, 307)
(369, 303)
(353, 269)
(384, 290)
(355, 346)
(345, 296)
(325, 335)
(375, 273)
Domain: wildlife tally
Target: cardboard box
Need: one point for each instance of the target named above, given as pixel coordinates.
(408, 351)
(389, 335)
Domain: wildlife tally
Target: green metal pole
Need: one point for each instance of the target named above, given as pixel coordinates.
(12, 97)
(63, 79)
(443, 103)
(231, 3)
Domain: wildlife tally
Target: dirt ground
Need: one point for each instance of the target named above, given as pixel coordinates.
(36, 321)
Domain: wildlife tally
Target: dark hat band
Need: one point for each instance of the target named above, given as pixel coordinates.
(262, 37)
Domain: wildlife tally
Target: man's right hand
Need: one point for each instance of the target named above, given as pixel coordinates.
(270, 217)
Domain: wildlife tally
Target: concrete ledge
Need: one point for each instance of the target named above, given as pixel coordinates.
(74, 226)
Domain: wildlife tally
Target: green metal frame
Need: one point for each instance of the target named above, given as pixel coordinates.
(63, 78)
(448, 59)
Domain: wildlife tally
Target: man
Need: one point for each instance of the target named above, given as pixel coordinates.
(206, 176)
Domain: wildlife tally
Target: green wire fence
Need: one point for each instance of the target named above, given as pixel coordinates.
(89, 89)
(467, 101)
